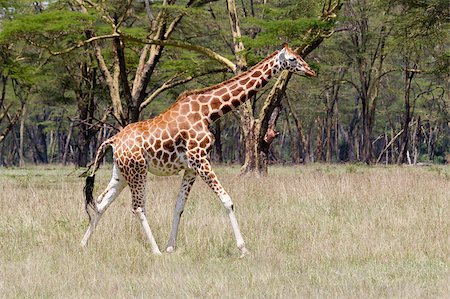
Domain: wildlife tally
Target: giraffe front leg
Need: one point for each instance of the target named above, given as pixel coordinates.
(141, 215)
(203, 168)
(137, 185)
(186, 185)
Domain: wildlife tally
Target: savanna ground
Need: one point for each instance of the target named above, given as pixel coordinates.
(314, 231)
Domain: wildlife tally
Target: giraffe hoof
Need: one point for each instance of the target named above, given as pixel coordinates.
(157, 252)
(170, 249)
(244, 252)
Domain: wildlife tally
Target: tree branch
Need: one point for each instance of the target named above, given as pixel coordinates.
(172, 83)
(149, 12)
(76, 46)
(179, 44)
(172, 43)
(165, 86)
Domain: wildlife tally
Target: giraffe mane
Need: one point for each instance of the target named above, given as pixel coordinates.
(209, 88)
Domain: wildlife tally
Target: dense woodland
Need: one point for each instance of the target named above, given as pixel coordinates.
(74, 72)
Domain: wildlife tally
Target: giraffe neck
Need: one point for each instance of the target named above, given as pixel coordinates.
(228, 95)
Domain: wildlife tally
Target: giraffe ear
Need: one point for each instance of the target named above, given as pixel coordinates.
(284, 46)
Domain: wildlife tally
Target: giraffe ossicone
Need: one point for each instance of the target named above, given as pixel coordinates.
(180, 139)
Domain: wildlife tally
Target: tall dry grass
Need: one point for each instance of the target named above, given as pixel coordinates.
(315, 231)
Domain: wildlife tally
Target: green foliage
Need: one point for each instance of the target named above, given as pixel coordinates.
(417, 30)
(48, 24)
(279, 31)
(16, 69)
(136, 32)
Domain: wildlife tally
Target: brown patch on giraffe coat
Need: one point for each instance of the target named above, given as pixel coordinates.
(214, 116)
(257, 74)
(236, 103)
(220, 91)
(157, 133)
(194, 116)
(205, 109)
(244, 81)
(195, 106)
(173, 114)
(146, 134)
(165, 135)
(168, 145)
(251, 93)
(173, 156)
(237, 91)
(192, 143)
(204, 143)
(215, 103)
(226, 109)
(226, 97)
(184, 108)
(203, 99)
(251, 83)
(135, 149)
(192, 133)
(183, 126)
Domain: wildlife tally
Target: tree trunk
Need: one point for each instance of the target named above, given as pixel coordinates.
(218, 155)
(85, 112)
(67, 144)
(255, 129)
(416, 141)
(295, 151)
(22, 136)
(303, 140)
(407, 116)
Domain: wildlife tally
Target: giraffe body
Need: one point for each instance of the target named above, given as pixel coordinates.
(180, 139)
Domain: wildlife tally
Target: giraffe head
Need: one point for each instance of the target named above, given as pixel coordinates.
(291, 61)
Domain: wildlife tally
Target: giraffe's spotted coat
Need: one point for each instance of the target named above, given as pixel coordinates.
(180, 139)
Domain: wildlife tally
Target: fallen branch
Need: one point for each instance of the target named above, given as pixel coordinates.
(389, 144)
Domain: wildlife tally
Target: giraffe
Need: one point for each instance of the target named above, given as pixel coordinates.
(180, 139)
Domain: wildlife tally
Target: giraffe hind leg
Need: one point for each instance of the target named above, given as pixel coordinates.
(115, 186)
(186, 185)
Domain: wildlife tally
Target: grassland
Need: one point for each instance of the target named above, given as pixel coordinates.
(314, 231)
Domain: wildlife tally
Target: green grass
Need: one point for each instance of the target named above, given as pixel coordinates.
(313, 231)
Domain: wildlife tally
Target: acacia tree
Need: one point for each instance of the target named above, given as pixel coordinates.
(367, 51)
(115, 53)
(7, 118)
(255, 125)
(13, 104)
(125, 80)
(83, 78)
(115, 45)
(420, 30)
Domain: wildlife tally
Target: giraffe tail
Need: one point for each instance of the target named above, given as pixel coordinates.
(90, 179)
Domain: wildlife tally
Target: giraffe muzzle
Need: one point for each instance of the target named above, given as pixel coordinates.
(310, 73)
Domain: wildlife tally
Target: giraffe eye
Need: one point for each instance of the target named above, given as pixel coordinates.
(291, 58)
